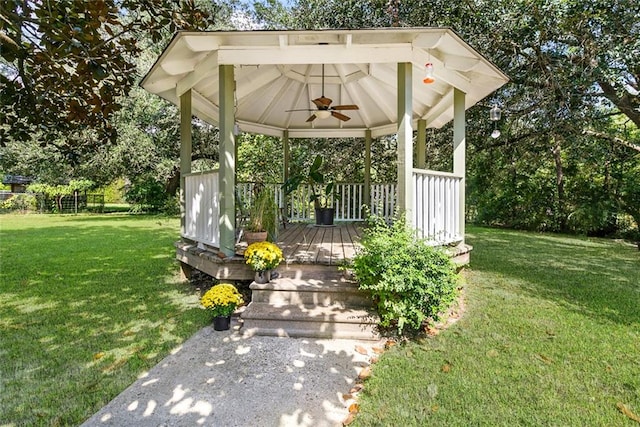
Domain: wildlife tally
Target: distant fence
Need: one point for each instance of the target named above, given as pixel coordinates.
(72, 203)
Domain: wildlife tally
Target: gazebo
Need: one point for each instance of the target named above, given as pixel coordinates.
(330, 83)
(251, 80)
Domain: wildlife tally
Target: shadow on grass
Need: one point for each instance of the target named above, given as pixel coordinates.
(87, 303)
(597, 277)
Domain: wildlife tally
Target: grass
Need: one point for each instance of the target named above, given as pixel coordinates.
(87, 303)
(550, 336)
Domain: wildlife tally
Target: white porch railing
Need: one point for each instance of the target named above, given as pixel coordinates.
(349, 201)
(436, 212)
(202, 208)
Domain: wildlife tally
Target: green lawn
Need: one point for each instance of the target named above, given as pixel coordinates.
(87, 303)
(550, 336)
(551, 333)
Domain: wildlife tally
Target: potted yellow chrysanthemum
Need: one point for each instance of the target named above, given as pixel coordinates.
(221, 300)
(263, 257)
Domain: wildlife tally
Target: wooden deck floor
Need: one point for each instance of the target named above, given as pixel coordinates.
(309, 244)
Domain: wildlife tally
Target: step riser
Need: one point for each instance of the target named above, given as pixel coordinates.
(309, 329)
(292, 333)
(350, 299)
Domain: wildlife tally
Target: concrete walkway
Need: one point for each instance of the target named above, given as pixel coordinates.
(225, 379)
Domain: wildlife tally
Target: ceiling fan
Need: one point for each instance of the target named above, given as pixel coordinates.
(325, 109)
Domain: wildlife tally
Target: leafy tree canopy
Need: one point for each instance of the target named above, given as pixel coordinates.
(65, 63)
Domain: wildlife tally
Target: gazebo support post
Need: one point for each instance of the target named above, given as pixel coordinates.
(185, 152)
(421, 145)
(367, 170)
(459, 148)
(185, 166)
(405, 141)
(286, 157)
(227, 173)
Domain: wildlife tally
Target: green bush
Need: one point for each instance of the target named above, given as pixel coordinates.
(410, 281)
(19, 202)
(147, 195)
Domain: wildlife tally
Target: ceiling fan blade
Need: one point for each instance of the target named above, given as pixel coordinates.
(345, 107)
(322, 101)
(312, 118)
(340, 116)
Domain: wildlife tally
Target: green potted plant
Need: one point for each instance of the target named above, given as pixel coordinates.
(221, 300)
(262, 216)
(322, 193)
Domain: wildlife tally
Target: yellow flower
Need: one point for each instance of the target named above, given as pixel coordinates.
(221, 299)
(263, 256)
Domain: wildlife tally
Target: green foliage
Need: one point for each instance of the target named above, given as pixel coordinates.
(65, 65)
(19, 202)
(114, 192)
(263, 212)
(550, 321)
(259, 159)
(409, 280)
(147, 195)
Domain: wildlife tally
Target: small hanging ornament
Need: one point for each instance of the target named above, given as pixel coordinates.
(428, 73)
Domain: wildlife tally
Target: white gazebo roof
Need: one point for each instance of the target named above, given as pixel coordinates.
(276, 71)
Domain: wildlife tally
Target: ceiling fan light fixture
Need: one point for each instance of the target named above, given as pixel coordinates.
(323, 114)
(428, 73)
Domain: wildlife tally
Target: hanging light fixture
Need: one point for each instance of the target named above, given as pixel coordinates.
(428, 73)
(323, 114)
(494, 116)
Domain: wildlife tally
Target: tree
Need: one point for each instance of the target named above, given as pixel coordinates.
(66, 63)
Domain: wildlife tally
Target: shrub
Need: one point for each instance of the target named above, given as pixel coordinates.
(147, 195)
(409, 280)
(19, 202)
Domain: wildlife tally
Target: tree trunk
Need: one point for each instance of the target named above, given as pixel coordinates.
(173, 182)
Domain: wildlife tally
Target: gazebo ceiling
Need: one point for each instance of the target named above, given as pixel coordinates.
(276, 71)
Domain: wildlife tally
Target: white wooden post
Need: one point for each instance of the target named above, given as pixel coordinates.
(367, 169)
(459, 148)
(185, 152)
(421, 145)
(227, 175)
(405, 141)
(285, 172)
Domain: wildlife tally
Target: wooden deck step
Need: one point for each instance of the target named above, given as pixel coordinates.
(317, 303)
(299, 320)
(312, 291)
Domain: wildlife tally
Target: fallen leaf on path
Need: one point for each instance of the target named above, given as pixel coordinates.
(365, 373)
(349, 419)
(389, 344)
(356, 388)
(361, 350)
(378, 350)
(623, 408)
(347, 397)
(374, 360)
(354, 407)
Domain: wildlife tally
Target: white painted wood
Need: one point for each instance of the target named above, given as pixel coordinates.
(202, 208)
(227, 173)
(437, 206)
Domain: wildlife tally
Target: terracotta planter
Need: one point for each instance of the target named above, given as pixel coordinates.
(221, 323)
(255, 236)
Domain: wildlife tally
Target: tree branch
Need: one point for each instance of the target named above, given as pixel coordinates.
(612, 139)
